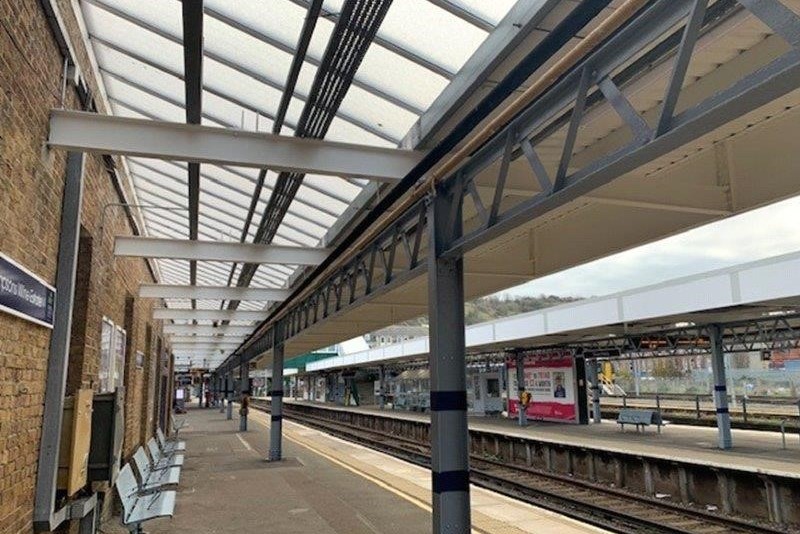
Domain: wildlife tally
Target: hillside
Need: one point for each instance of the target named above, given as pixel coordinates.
(488, 308)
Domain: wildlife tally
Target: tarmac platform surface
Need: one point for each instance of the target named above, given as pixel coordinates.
(752, 450)
(324, 485)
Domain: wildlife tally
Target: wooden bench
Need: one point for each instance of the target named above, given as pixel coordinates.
(137, 507)
(153, 477)
(639, 417)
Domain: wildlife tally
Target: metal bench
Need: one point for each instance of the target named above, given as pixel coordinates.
(138, 508)
(161, 458)
(153, 477)
(178, 424)
(169, 445)
(640, 418)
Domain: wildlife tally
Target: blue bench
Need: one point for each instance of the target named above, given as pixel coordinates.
(639, 417)
(139, 507)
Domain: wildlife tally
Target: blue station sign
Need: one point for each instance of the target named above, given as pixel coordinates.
(24, 294)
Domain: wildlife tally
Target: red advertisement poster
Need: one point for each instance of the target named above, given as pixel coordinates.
(550, 379)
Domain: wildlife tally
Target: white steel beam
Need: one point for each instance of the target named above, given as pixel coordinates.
(178, 249)
(167, 291)
(208, 354)
(209, 315)
(106, 134)
(206, 339)
(216, 355)
(206, 346)
(189, 329)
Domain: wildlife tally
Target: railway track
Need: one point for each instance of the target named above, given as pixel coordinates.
(596, 504)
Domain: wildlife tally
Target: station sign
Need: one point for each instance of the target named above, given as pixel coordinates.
(24, 294)
(603, 354)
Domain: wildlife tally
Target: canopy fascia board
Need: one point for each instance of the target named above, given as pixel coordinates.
(185, 249)
(167, 291)
(124, 136)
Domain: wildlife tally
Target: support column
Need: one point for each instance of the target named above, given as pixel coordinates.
(221, 393)
(276, 394)
(720, 389)
(449, 433)
(212, 392)
(594, 377)
(229, 395)
(243, 390)
(519, 369)
(381, 386)
(45, 499)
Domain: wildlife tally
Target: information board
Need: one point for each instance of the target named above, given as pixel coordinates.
(550, 378)
(24, 294)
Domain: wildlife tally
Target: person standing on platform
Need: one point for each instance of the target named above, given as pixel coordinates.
(244, 409)
(524, 401)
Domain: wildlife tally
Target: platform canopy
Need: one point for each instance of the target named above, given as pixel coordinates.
(557, 131)
(756, 303)
(266, 68)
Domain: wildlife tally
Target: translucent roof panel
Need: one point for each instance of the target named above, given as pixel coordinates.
(430, 31)
(492, 12)
(249, 47)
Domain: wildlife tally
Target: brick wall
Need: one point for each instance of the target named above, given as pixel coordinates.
(31, 184)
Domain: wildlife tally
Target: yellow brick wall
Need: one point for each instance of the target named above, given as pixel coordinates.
(31, 184)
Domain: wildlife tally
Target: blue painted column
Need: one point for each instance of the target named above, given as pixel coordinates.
(720, 388)
(449, 432)
(276, 395)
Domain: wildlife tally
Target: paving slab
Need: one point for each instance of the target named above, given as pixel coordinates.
(325, 485)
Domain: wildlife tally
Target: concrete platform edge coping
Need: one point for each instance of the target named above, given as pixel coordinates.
(550, 441)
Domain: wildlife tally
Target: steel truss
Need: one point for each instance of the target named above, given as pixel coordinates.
(397, 256)
(769, 333)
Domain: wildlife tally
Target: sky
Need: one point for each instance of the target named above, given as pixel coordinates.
(768, 231)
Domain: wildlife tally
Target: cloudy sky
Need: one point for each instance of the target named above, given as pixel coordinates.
(754, 235)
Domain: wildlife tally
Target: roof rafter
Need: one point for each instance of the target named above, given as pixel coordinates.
(106, 134)
(148, 247)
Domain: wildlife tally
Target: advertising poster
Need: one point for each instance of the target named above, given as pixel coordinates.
(550, 378)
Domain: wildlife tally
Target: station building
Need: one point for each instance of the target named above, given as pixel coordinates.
(114, 344)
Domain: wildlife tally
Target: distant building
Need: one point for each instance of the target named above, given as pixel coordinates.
(395, 334)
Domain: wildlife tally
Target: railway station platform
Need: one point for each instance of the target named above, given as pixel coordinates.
(755, 451)
(324, 485)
